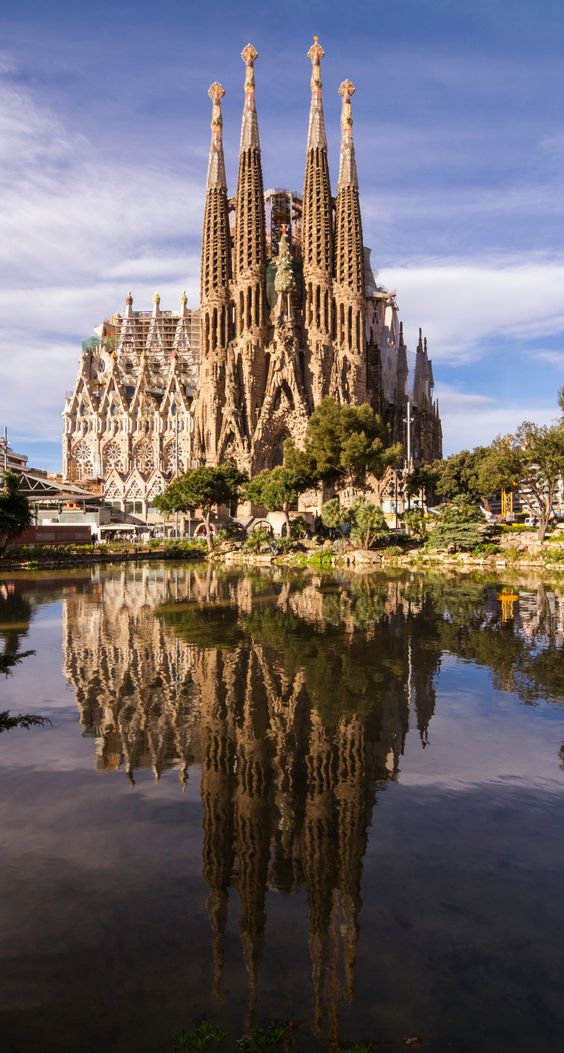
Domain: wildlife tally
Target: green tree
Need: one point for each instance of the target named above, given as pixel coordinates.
(459, 526)
(15, 513)
(202, 488)
(277, 489)
(531, 460)
(334, 516)
(458, 475)
(346, 442)
(368, 524)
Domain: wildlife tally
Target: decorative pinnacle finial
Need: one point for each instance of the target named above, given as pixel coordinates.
(249, 54)
(316, 52)
(216, 91)
(346, 88)
(156, 298)
(346, 91)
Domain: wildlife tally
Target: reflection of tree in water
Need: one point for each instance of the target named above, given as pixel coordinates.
(15, 616)
(296, 694)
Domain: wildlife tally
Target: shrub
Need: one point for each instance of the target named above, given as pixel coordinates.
(459, 527)
(416, 523)
(486, 548)
(231, 532)
(368, 526)
(298, 529)
(259, 540)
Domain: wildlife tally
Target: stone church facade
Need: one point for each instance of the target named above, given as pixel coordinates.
(289, 313)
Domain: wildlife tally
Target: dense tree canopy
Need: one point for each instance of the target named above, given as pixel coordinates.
(202, 488)
(345, 443)
(531, 460)
(15, 513)
(459, 526)
(277, 489)
(457, 475)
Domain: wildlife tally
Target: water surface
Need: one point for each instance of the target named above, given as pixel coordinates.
(333, 800)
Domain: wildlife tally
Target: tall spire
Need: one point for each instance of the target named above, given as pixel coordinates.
(250, 225)
(249, 126)
(349, 253)
(347, 163)
(216, 166)
(216, 252)
(316, 136)
(317, 228)
(349, 282)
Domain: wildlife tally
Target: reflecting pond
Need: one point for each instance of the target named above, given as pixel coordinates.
(331, 800)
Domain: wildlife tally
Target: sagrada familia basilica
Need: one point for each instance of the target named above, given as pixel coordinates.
(289, 313)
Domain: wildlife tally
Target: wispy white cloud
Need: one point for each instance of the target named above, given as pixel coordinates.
(552, 358)
(464, 304)
(471, 419)
(77, 230)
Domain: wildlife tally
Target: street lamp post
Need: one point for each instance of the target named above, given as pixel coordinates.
(408, 420)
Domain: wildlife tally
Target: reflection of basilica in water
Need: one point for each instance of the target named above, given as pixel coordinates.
(295, 697)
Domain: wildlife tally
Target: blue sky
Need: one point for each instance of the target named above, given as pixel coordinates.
(459, 133)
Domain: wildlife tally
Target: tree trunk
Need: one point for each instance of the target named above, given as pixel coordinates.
(285, 509)
(207, 525)
(543, 523)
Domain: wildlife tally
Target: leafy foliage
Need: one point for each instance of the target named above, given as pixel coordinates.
(334, 516)
(200, 1040)
(277, 489)
(460, 526)
(23, 720)
(15, 513)
(363, 521)
(532, 460)
(202, 488)
(259, 540)
(368, 524)
(457, 475)
(416, 523)
(346, 442)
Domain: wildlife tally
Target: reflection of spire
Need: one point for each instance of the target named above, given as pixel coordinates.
(251, 823)
(319, 856)
(350, 793)
(217, 785)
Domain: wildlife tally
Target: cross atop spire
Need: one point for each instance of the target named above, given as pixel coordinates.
(216, 166)
(347, 164)
(316, 132)
(249, 127)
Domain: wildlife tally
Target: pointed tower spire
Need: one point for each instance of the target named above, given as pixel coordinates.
(216, 253)
(347, 163)
(317, 230)
(250, 224)
(215, 277)
(349, 263)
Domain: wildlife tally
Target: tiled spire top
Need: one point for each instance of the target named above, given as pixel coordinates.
(249, 127)
(347, 164)
(216, 166)
(316, 131)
